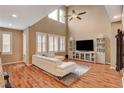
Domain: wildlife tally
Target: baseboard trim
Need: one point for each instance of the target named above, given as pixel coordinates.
(8, 63)
(28, 64)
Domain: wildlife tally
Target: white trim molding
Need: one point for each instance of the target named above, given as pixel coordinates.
(8, 63)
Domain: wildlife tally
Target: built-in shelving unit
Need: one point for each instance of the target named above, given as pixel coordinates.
(72, 45)
(100, 49)
(88, 56)
(83, 55)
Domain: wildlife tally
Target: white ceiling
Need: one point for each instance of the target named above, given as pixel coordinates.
(114, 12)
(26, 15)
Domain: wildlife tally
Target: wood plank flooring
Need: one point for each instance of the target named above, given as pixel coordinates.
(99, 76)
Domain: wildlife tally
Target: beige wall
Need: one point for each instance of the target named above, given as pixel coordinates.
(16, 46)
(115, 26)
(48, 26)
(93, 23)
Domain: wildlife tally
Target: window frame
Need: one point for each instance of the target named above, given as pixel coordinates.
(54, 36)
(41, 34)
(63, 45)
(57, 43)
(52, 44)
(11, 42)
(59, 16)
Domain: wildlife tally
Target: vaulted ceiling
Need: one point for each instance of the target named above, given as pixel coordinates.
(114, 12)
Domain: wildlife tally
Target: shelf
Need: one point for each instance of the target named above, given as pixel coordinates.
(100, 47)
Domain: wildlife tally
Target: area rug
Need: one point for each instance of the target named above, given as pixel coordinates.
(72, 77)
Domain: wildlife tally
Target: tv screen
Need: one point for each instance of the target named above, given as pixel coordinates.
(84, 45)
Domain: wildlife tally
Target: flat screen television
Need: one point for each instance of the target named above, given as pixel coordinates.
(84, 45)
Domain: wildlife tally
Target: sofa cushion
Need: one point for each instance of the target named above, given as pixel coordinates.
(51, 54)
(65, 65)
(53, 60)
(59, 57)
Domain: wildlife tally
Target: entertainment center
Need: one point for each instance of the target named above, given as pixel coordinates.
(83, 55)
(84, 50)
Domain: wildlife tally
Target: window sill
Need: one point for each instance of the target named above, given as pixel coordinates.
(6, 53)
(61, 51)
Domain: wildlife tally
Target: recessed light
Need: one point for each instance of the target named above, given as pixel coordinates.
(115, 17)
(14, 15)
(10, 24)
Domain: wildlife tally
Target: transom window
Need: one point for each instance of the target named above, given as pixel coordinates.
(61, 16)
(57, 15)
(54, 15)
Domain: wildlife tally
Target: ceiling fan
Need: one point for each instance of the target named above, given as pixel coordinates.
(75, 15)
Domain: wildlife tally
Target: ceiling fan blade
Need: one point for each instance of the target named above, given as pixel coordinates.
(79, 18)
(82, 13)
(73, 11)
(70, 18)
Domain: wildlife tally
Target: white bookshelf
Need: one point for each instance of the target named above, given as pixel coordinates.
(72, 45)
(100, 49)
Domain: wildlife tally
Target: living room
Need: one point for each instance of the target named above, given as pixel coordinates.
(46, 50)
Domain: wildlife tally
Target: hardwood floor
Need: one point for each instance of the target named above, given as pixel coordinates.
(99, 76)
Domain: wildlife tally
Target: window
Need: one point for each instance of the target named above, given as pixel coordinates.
(41, 42)
(62, 43)
(61, 16)
(58, 15)
(53, 43)
(6, 39)
(54, 15)
(44, 43)
(56, 40)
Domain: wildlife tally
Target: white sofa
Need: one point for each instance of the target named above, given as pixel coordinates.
(53, 65)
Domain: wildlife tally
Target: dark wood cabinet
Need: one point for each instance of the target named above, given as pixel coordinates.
(119, 55)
